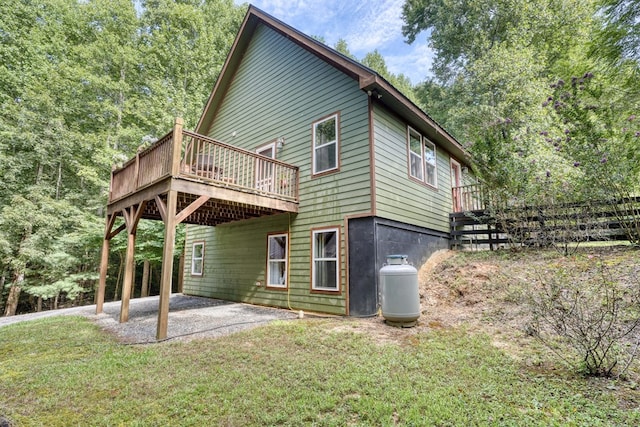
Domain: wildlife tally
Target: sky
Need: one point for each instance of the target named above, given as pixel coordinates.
(364, 24)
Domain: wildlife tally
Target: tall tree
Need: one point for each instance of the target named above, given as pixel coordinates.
(375, 61)
(494, 61)
(82, 85)
(184, 44)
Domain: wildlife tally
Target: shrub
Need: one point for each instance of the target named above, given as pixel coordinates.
(595, 318)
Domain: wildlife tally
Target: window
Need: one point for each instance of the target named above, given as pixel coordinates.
(415, 155)
(325, 145)
(325, 253)
(277, 261)
(197, 258)
(430, 162)
(422, 158)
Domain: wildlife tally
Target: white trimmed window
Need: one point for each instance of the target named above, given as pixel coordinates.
(430, 162)
(415, 155)
(325, 251)
(422, 158)
(325, 145)
(277, 260)
(197, 258)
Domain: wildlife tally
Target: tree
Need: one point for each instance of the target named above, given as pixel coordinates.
(376, 62)
(597, 132)
(82, 85)
(619, 39)
(184, 45)
(494, 61)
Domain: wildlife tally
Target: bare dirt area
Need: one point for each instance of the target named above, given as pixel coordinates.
(486, 292)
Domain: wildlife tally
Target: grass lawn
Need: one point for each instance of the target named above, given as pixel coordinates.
(65, 371)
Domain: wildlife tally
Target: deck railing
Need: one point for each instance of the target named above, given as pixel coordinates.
(469, 198)
(206, 160)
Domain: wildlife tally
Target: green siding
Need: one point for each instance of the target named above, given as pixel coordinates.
(279, 90)
(397, 196)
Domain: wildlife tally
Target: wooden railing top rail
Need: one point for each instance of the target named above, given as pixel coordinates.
(476, 197)
(207, 160)
(237, 149)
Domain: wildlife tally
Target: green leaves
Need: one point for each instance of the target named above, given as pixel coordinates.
(495, 60)
(82, 85)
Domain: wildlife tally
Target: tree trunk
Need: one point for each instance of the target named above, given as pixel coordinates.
(14, 295)
(39, 306)
(59, 181)
(55, 302)
(2, 280)
(156, 275)
(144, 291)
(39, 173)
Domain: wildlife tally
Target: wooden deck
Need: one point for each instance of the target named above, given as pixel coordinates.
(237, 184)
(190, 178)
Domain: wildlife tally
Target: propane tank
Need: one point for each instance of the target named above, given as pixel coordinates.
(399, 292)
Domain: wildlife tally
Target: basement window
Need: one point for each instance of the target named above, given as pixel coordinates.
(197, 258)
(277, 260)
(324, 265)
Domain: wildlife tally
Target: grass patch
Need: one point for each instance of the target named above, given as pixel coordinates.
(65, 371)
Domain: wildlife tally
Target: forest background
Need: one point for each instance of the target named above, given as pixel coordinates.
(544, 95)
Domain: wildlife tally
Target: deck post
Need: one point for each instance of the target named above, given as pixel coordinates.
(177, 146)
(129, 269)
(104, 264)
(167, 263)
(131, 216)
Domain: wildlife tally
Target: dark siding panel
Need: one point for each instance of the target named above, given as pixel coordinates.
(371, 240)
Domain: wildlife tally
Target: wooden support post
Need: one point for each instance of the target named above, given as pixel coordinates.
(129, 269)
(177, 147)
(490, 235)
(167, 264)
(132, 217)
(104, 264)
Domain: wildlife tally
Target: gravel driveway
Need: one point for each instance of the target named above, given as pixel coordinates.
(189, 318)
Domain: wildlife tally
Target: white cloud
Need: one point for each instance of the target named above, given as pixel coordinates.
(365, 25)
(281, 9)
(378, 24)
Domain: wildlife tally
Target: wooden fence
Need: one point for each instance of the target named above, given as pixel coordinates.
(546, 225)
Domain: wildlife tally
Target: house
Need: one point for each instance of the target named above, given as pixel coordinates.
(305, 171)
(375, 176)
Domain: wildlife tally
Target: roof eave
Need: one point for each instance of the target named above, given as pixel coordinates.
(388, 95)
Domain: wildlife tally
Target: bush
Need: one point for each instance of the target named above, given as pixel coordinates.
(596, 319)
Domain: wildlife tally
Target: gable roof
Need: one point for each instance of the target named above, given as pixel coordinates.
(368, 80)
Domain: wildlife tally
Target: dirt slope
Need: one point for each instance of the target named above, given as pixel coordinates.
(484, 291)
